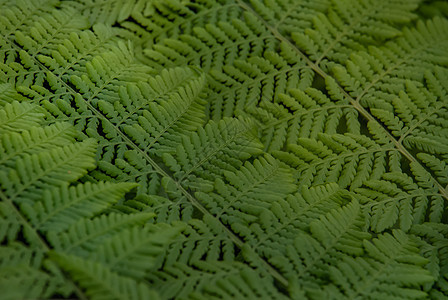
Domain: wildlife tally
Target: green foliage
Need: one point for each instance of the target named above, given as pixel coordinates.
(223, 149)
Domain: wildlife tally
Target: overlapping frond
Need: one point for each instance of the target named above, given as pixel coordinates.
(17, 116)
(39, 209)
(63, 206)
(280, 149)
(352, 25)
(206, 280)
(392, 268)
(375, 77)
(435, 250)
(303, 114)
(348, 159)
(244, 61)
(100, 282)
(397, 200)
(212, 150)
(288, 16)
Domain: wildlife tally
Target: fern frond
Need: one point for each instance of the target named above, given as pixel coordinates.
(397, 199)
(214, 149)
(435, 250)
(86, 235)
(246, 284)
(348, 99)
(34, 140)
(63, 206)
(350, 26)
(100, 282)
(418, 120)
(14, 279)
(245, 63)
(18, 116)
(333, 236)
(392, 267)
(32, 173)
(348, 159)
(34, 27)
(106, 11)
(289, 16)
(376, 77)
(134, 251)
(214, 280)
(303, 114)
(8, 94)
(10, 225)
(41, 212)
(160, 125)
(244, 199)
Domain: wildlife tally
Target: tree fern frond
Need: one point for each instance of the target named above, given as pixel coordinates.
(100, 282)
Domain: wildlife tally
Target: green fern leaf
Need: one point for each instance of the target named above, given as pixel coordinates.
(282, 134)
(86, 235)
(216, 148)
(336, 235)
(34, 140)
(133, 252)
(64, 206)
(392, 268)
(350, 26)
(100, 282)
(32, 173)
(434, 249)
(19, 116)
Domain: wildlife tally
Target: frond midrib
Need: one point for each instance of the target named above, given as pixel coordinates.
(159, 169)
(354, 102)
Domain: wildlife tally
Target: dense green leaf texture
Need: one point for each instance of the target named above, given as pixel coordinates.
(40, 207)
(223, 149)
